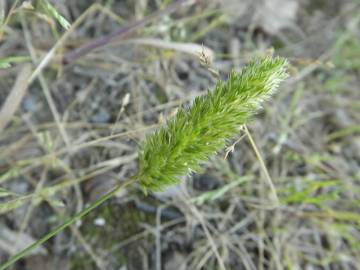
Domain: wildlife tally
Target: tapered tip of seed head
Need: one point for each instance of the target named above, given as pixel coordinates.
(278, 67)
(271, 70)
(259, 79)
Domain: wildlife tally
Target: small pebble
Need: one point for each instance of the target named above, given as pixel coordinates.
(101, 117)
(99, 221)
(205, 182)
(29, 104)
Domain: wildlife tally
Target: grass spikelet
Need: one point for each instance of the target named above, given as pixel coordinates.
(199, 132)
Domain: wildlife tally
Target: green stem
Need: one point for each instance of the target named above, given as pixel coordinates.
(67, 223)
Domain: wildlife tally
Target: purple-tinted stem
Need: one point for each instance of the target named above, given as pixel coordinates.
(121, 32)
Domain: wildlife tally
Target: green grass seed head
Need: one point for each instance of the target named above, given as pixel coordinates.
(193, 135)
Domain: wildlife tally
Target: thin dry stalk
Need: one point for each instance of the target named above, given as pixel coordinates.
(15, 97)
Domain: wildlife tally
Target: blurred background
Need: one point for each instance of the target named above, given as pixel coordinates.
(83, 82)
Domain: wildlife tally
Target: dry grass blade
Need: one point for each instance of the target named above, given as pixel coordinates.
(15, 97)
(10, 244)
(189, 48)
(121, 32)
(2, 11)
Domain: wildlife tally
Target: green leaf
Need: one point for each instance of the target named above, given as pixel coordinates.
(220, 192)
(12, 204)
(6, 62)
(5, 193)
(45, 7)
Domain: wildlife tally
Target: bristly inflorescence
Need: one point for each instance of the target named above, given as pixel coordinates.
(194, 134)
